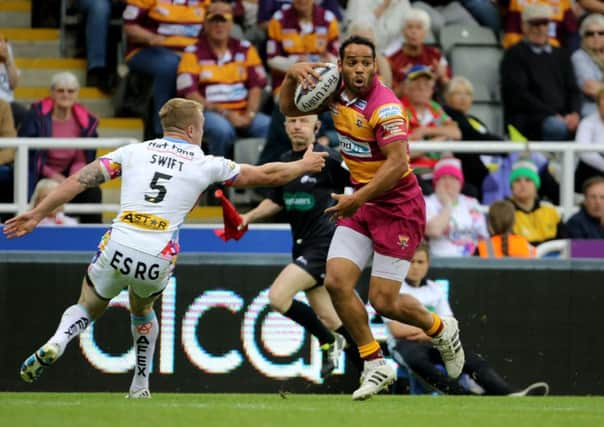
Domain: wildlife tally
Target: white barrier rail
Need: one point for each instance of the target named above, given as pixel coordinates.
(567, 150)
(21, 163)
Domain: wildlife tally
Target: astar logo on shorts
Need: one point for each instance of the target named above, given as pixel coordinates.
(145, 328)
(403, 241)
(145, 221)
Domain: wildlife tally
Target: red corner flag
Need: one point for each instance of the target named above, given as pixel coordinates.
(231, 218)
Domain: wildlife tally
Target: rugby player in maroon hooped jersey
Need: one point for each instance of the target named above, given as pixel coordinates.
(383, 217)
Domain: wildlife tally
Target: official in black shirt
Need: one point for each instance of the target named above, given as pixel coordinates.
(304, 201)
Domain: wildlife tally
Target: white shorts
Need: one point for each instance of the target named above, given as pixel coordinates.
(116, 267)
(358, 248)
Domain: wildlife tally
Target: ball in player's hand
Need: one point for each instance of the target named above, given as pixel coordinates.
(310, 99)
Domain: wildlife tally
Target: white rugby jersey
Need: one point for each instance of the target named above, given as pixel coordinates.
(162, 180)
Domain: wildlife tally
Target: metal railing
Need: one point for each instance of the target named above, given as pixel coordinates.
(21, 184)
(567, 150)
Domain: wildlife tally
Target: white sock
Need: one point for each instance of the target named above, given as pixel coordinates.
(145, 330)
(74, 320)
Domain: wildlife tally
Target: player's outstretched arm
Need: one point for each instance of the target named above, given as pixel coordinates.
(279, 173)
(89, 176)
(303, 73)
(265, 209)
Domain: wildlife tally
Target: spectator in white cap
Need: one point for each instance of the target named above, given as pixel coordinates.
(454, 222)
(540, 95)
(537, 220)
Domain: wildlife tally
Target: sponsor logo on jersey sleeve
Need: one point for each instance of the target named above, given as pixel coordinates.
(392, 128)
(144, 221)
(112, 168)
(389, 111)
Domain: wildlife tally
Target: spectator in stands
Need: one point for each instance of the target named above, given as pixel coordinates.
(588, 223)
(267, 8)
(60, 116)
(588, 62)
(536, 219)
(57, 217)
(503, 242)
(427, 121)
(226, 76)
(300, 32)
(454, 222)
(414, 52)
(386, 17)
(98, 16)
(590, 131)
(446, 12)
(540, 94)
(364, 29)
(7, 155)
(561, 22)
(9, 79)
(410, 346)
(458, 103)
(157, 33)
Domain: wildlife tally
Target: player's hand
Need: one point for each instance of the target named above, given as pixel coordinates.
(345, 207)
(21, 225)
(304, 73)
(314, 161)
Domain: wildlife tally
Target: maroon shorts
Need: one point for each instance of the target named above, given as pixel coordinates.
(395, 229)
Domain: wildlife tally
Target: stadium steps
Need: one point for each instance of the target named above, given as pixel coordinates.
(15, 13)
(33, 42)
(92, 98)
(37, 72)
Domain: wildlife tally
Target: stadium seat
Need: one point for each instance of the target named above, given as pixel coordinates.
(491, 114)
(452, 35)
(481, 92)
(246, 150)
(479, 64)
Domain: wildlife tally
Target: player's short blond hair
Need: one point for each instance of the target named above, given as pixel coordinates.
(178, 113)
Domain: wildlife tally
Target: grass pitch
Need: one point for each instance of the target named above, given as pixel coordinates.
(293, 410)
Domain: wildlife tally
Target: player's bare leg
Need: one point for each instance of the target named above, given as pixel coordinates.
(145, 329)
(385, 297)
(74, 321)
(291, 280)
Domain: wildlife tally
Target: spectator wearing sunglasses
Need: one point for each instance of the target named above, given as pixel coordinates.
(588, 62)
(538, 86)
(61, 116)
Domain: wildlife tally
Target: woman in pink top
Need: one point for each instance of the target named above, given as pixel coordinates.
(60, 116)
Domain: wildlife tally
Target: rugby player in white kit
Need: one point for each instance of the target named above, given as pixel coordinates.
(162, 181)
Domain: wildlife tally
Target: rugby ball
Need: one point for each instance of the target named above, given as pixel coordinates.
(307, 100)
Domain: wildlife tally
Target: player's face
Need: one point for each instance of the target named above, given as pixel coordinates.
(358, 68)
(524, 190)
(414, 33)
(301, 130)
(419, 267)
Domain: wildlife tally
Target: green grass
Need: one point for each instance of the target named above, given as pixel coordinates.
(260, 410)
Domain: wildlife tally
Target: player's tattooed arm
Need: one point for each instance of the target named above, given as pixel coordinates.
(91, 175)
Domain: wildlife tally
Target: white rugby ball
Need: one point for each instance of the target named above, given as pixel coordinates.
(307, 100)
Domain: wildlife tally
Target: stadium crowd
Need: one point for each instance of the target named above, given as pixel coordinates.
(232, 57)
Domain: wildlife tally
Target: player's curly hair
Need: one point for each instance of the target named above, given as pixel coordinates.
(356, 40)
